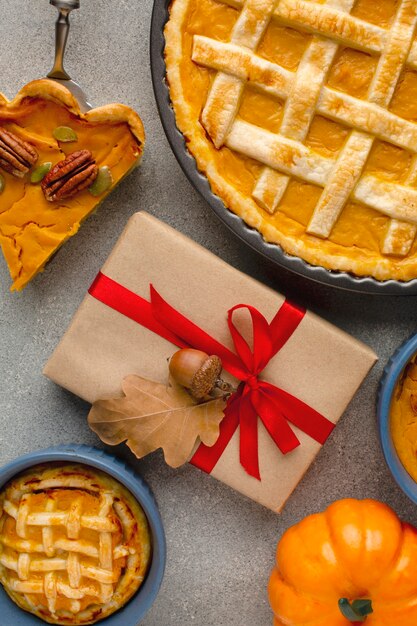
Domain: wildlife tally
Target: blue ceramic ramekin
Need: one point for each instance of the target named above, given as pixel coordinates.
(388, 384)
(134, 611)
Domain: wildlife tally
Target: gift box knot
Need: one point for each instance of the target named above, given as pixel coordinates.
(255, 398)
(253, 382)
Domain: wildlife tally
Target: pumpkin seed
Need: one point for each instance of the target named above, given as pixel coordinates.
(103, 181)
(40, 172)
(65, 134)
(2, 183)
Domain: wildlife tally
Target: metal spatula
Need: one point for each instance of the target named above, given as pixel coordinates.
(61, 35)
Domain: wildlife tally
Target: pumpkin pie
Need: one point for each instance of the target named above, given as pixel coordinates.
(56, 165)
(74, 543)
(303, 116)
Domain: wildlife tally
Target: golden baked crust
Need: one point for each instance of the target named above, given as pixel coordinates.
(74, 543)
(31, 228)
(302, 115)
(54, 92)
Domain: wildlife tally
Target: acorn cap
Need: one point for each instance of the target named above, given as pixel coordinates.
(205, 378)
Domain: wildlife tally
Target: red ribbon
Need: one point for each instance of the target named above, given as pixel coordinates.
(254, 397)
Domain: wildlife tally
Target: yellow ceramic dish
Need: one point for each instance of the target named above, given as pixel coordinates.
(32, 228)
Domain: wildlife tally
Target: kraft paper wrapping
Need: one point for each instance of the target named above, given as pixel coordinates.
(320, 364)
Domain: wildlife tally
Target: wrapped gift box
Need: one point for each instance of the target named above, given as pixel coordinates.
(319, 364)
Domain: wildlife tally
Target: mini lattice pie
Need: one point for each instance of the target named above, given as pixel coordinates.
(74, 543)
(43, 128)
(303, 116)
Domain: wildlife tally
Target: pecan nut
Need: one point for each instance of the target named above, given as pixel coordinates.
(77, 172)
(16, 156)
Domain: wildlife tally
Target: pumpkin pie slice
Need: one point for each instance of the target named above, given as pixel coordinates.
(56, 166)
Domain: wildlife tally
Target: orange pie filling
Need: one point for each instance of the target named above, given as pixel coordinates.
(357, 238)
(403, 415)
(31, 227)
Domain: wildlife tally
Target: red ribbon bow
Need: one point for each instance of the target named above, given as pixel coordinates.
(255, 397)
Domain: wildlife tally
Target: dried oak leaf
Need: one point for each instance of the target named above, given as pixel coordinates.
(152, 415)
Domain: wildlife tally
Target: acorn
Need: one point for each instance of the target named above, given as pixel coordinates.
(198, 372)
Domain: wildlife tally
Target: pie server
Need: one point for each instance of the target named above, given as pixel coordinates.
(58, 73)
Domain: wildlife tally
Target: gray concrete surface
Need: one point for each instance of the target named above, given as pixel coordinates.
(220, 545)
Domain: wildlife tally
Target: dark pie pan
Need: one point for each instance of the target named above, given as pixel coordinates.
(250, 236)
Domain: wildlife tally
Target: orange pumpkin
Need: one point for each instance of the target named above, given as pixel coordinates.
(355, 550)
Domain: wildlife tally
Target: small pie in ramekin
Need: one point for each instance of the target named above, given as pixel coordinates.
(74, 543)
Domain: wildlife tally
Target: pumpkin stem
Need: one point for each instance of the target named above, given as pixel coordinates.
(356, 611)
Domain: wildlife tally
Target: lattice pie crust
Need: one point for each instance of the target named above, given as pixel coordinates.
(301, 115)
(74, 543)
